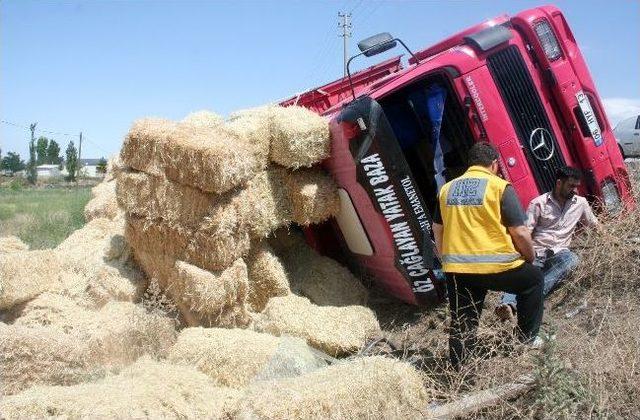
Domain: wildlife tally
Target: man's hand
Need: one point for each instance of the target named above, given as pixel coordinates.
(521, 236)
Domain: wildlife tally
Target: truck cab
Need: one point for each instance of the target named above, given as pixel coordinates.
(399, 132)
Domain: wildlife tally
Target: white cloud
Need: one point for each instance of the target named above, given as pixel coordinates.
(620, 108)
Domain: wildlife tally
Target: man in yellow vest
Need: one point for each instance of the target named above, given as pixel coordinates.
(483, 242)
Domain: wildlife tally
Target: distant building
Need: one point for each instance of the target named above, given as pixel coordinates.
(87, 168)
(48, 171)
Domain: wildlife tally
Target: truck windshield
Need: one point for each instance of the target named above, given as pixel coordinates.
(431, 129)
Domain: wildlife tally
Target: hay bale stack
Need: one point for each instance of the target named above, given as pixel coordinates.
(334, 330)
(370, 387)
(9, 244)
(235, 357)
(254, 127)
(267, 276)
(40, 355)
(203, 118)
(103, 202)
(143, 147)
(147, 389)
(26, 274)
(299, 137)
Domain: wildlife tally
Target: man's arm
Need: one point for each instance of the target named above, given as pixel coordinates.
(437, 234)
(521, 236)
(533, 214)
(517, 223)
(588, 218)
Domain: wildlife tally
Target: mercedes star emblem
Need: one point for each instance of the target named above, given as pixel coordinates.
(541, 144)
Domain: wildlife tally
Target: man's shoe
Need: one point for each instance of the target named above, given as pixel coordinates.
(505, 312)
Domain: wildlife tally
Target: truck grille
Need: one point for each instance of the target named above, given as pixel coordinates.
(518, 92)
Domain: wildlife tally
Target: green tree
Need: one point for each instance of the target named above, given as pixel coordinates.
(71, 162)
(101, 167)
(53, 153)
(41, 150)
(12, 162)
(32, 173)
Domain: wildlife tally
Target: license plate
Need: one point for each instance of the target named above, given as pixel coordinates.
(590, 117)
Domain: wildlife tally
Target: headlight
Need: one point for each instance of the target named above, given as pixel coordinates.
(611, 198)
(548, 40)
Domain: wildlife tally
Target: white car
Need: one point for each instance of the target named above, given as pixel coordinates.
(627, 133)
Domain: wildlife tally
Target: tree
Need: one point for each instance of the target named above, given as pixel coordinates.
(53, 153)
(32, 173)
(101, 167)
(41, 150)
(12, 162)
(71, 162)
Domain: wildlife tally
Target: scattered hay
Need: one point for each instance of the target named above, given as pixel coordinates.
(40, 355)
(115, 335)
(104, 202)
(26, 274)
(371, 387)
(267, 277)
(300, 137)
(147, 389)
(334, 330)
(235, 357)
(144, 146)
(9, 244)
(321, 279)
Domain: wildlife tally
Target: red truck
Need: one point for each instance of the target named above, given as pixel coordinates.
(400, 131)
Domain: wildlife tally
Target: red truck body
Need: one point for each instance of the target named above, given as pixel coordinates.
(504, 81)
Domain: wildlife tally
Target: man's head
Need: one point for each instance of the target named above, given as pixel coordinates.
(484, 154)
(567, 182)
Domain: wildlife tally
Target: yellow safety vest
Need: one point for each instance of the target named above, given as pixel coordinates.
(474, 239)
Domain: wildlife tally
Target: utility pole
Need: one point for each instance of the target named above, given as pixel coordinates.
(33, 131)
(79, 155)
(345, 23)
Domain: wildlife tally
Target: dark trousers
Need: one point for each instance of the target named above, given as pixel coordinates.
(466, 297)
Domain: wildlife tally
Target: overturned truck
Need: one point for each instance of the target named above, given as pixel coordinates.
(399, 132)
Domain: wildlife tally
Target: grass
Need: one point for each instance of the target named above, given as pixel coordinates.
(42, 218)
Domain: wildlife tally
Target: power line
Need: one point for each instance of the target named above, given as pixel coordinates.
(40, 130)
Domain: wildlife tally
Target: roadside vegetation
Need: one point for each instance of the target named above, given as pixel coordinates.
(41, 217)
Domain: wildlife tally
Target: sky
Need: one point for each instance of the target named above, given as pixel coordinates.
(96, 66)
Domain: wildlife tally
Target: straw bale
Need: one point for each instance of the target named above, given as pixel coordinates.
(203, 118)
(9, 244)
(208, 158)
(255, 127)
(144, 146)
(218, 297)
(26, 274)
(104, 202)
(147, 389)
(39, 355)
(211, 249)
(313, 194)
(114, 166)
(370, 387)
(300, 137)
(155, 197)
(323, 280)
(267, 276)
(235, 357)
(334, 330)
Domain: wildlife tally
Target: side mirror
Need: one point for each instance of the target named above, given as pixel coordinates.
(377, 44)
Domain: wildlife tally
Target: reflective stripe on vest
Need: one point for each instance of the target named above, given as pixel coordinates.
(492, 258)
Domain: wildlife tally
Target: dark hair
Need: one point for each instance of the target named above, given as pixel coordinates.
(565, 172)
(482, 153)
